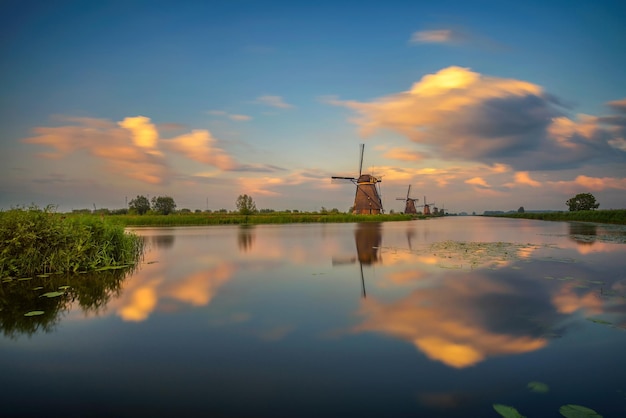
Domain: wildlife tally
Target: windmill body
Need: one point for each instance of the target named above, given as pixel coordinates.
(409, 206)
(367, 199)
(426, 206)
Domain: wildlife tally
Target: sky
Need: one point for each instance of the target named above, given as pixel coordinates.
(477, 105)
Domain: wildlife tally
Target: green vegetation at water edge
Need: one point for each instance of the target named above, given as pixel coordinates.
(613, 216)
(182, 219)
(37, 241)
(39, 304)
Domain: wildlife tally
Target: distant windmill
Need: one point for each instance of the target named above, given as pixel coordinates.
(426, 206)
(367, 200)
(409, 206)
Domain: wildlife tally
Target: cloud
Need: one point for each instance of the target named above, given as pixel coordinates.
(454, 36)
(403, 154)
(131, 147)
(273, 101)
(128, 151)
(199, 145)
(478, 181)
(231, 116)
(438, 36)
(240, 117)
(619, 105)
(463, 334)
(263, 186)
(458, 114)
(597, 183)
(522, 177)
(144, 133)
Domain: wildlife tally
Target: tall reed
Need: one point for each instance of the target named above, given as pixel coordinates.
(37, 241)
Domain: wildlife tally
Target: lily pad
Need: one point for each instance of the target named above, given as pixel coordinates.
(64, 287)
(578, 411)
(507, 411)
(38, 288)
(538, 387)
(33, 313)
(599, 321)
(52, 294)
(25, 278)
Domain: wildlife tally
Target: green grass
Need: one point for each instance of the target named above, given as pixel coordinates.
(236, 219)
(38, 241)
(613, 216)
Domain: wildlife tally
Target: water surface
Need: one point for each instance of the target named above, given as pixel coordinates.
(443, 317)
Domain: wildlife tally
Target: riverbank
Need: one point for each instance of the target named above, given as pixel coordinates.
(613, 216)
(198, 219)
(39, 241)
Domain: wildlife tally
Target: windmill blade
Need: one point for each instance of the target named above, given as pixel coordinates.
(408, 192)
(339, 179)
(362, 146)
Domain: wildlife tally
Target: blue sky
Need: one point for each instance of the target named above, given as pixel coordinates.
(478, 105)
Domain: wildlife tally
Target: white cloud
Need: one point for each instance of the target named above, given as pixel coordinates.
(273, 101)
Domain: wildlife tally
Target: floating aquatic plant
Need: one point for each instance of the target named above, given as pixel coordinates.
(599, 321)
(507, 411)
(539, 387)
(578, 411)
(34, 313)
(52, 294)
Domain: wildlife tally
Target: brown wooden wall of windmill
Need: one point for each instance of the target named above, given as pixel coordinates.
(367, 199)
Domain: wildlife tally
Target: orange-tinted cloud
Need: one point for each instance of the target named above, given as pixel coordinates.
(590, 183)
(403, 154)
(477, 181)
(522, 177)
(143, 301)
(459, 114)
(199, 145)
(434, 36)
(568, 300)
(131, 147)
(200, 288)
(144, 133)
(455, 330)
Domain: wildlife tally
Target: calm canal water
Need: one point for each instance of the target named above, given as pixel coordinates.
(437, 318)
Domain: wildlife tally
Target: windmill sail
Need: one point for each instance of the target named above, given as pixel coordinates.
(367, 199)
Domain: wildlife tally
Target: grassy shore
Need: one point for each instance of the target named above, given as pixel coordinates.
(236, 219)
(37, 241)
(613, 216)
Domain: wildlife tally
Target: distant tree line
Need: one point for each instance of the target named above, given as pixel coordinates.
(163, 205)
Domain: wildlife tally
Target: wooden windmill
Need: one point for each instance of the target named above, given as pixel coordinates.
(409, 206)
(426, 206)
(367, 200)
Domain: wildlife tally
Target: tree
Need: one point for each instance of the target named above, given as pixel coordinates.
(582, 201)
(521, 209)
(163, 205)
(245, 204)
(140, 204)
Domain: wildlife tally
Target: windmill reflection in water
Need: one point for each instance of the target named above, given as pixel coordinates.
(368, 237)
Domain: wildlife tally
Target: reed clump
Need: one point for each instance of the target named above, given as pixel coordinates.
(38, 241)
